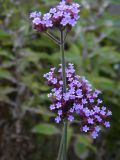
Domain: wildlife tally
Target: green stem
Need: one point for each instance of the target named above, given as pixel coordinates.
(62, 155)
(64, 149)
(52, 37)
(63, 61)
(61, 146)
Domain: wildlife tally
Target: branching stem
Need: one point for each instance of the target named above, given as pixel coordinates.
(53, 38)
(63, 146)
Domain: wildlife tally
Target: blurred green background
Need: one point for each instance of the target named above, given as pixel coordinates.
(27, 129)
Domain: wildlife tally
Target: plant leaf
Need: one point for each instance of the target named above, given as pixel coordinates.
(46, 129)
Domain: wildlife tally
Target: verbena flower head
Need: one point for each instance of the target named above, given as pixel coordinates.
(80, 102)
(65, 14)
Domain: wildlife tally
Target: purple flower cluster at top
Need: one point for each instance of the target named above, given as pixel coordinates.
(64, 14)
(79, 102)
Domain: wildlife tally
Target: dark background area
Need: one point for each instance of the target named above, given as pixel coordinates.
(27, 129)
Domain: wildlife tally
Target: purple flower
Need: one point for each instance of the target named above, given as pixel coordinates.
(64, 14)
(58, 105)
(86, 112)
(102, 112)
(90, 120)
(72, 90)
(79, 92)
(97, 109)
(47, 16)
(62, 6)
(107, 124)
(99, 101)
(94, 134)
(99, 119)
(64, 22)
(37, 21)
(95, 94)
(92, 112)
(103, 108)
(109, 113)
(57, 119)
(97, 128)
(72, 22)
(52, 107)
(53, 10)
(91, 100)
(78, 101)
(76, 17)
(54, 81)
(58, 14)
(72, 97)
(77, 106)
(85, 128)
(79, 84)
(35, 14)
(59, 112)
(48, 23)
(50, 95)
(97, 91)
(70, 118)
(84, 101)
(66, 96)
(71, 110)
(61, 82)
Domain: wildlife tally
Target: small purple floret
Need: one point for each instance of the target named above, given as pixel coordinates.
(85, 128)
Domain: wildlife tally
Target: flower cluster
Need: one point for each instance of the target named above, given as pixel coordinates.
(63, 15)
(79, 102)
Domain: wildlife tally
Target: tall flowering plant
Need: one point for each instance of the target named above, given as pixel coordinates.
(73, 97)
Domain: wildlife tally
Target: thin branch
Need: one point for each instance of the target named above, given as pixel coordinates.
(53, 38)
(64, 149)
(66, 33)
(61, 147)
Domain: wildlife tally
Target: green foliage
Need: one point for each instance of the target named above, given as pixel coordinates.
(46, 129)
(82, 146)
(93, 46)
